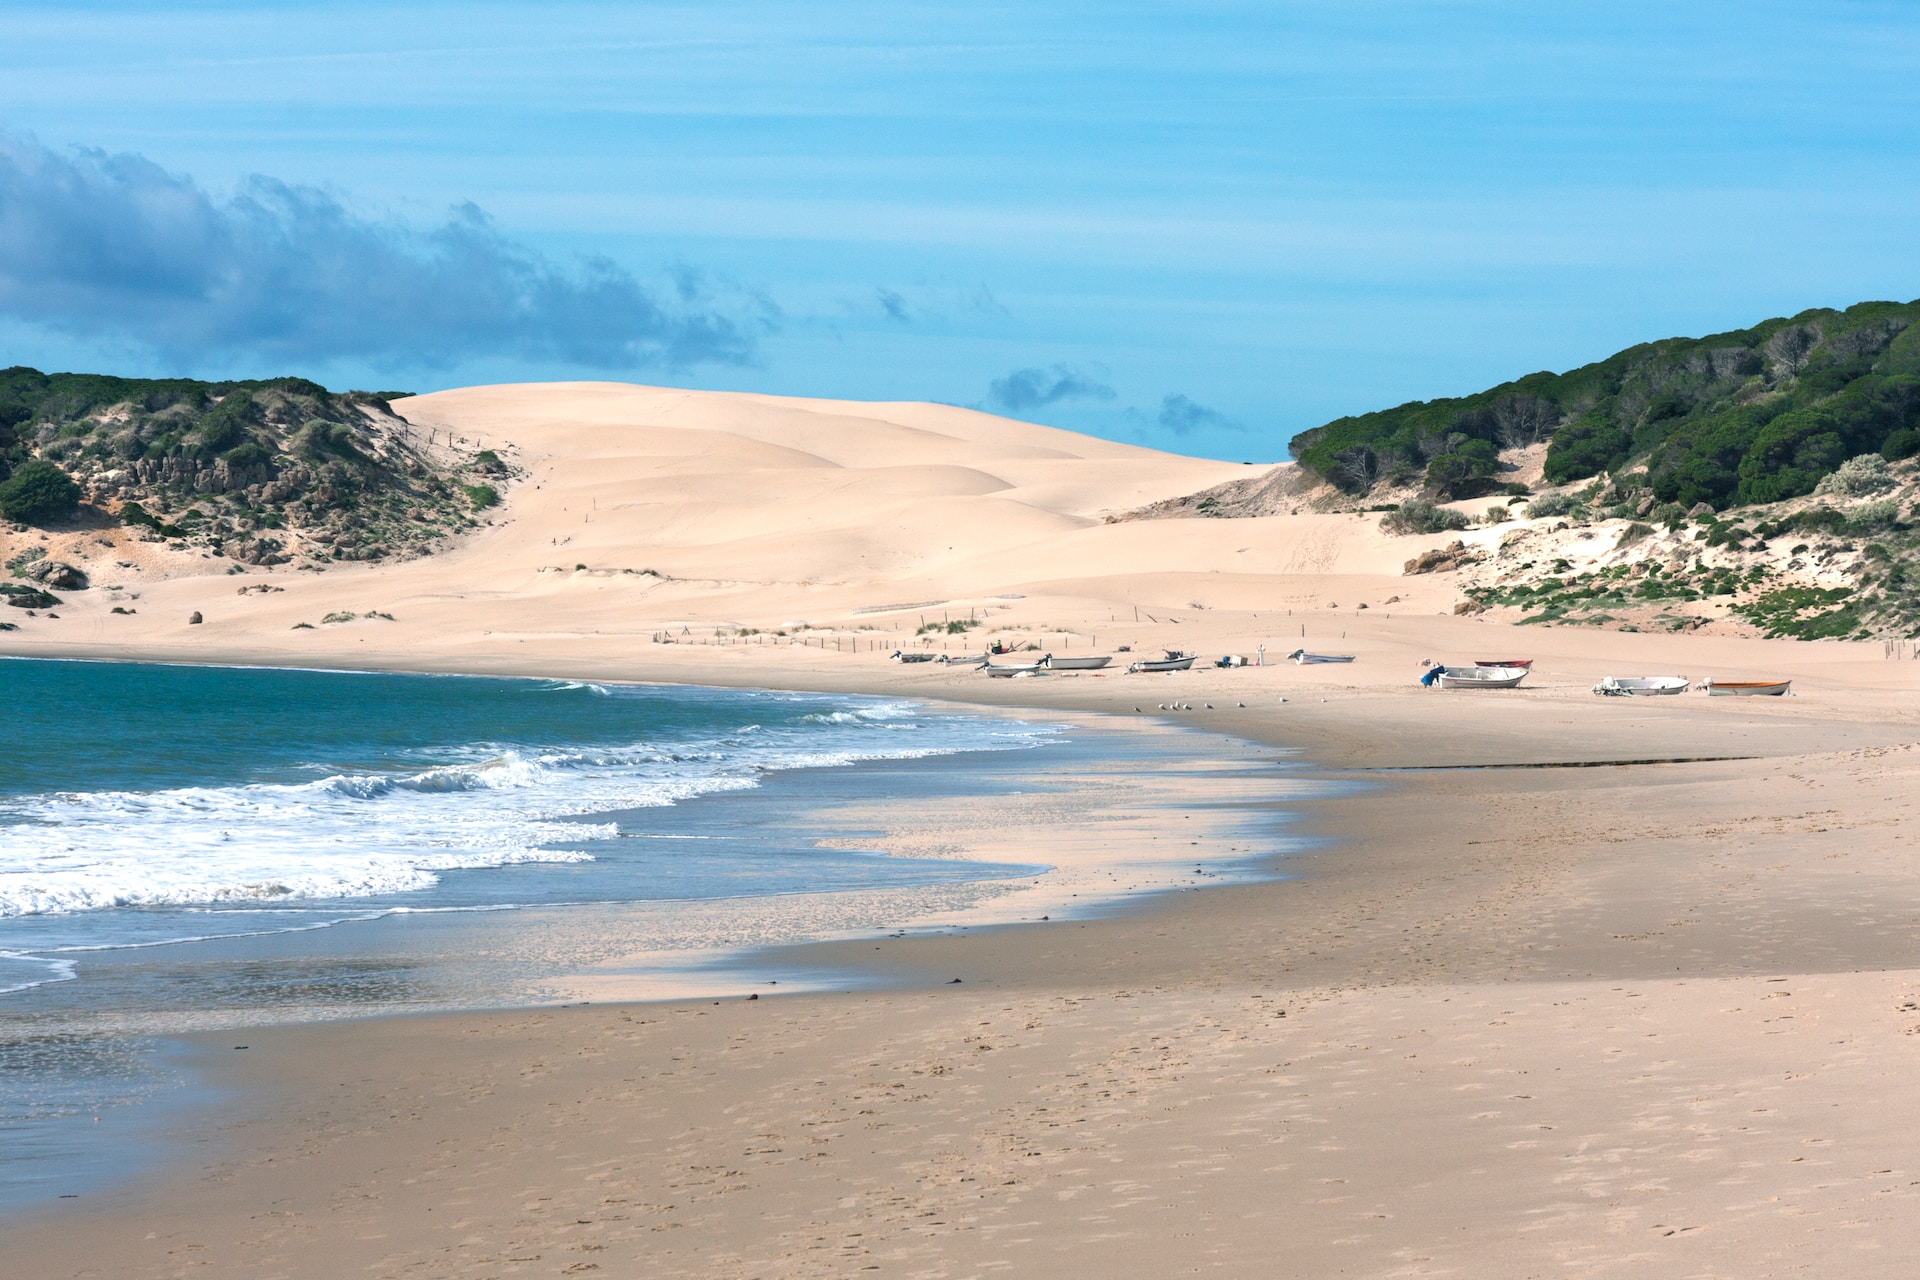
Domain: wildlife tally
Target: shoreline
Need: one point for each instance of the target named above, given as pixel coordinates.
(1070, 793)
(1314, 943)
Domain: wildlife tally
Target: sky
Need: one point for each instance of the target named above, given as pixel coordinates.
(1203, 227)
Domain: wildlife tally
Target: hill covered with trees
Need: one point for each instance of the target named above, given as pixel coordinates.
(256, 470)
(1752, 416)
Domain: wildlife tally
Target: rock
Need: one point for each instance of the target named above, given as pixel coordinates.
(58, 575)
(1468, 608)
(1699, 509)
(1644, 506)
(28, 598)
(193, 619)
(1442, 560)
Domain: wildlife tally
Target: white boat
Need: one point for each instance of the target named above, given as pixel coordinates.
(1078, 664)
(1481, 677)
(1641, 686)
(1017, 668)
(977, 660)
(901, 655)
(1745, 688)
(1174, 661)
(1301, 657)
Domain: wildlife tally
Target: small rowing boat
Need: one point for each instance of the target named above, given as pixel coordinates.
(1641, 686)
(1745, 688)
(977, 660)
(1480, 677)
(900, 655)
(1301, 657)
(1078, 664)
(1524, 663)
(1016, 668)
(1174, 661)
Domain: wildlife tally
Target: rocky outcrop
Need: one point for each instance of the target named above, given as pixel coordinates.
(57, 574)
(1455, 555)
(258, 551)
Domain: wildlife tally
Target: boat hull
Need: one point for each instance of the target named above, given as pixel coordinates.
(1642, 686)
(1301, 658)
(1472, 678)
(1079, 664)
(1747, 688)
(1173, 664)
(1524, 664)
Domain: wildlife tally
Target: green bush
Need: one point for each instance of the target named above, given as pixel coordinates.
(1422, 517)
(481, 496)
(38, 492)
(1550, 504)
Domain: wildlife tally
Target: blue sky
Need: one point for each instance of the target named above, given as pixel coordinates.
(1203, 226)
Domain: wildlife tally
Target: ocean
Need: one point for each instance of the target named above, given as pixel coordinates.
(193, 848)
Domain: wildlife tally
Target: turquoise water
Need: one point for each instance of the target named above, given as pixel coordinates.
(189, 847)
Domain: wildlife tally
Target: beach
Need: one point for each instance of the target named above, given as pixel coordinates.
(1652, 1012)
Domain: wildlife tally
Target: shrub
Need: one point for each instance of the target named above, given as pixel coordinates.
(1421, 517)
(1670, 514)
(37, 492)
(1633, 533)
(1872, 515)
(481, 496)
(1903, 443)
(1550, 504)
(1857, 477)
(1497, 514)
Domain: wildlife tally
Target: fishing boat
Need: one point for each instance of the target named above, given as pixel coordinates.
(976, 660)
(900, 655)
(1301, 657)
(1641, 686)
(1480, 677)
(1745, 688)
(1078, 664)
(1174, 661)
(1016, 668)
(1525, 663)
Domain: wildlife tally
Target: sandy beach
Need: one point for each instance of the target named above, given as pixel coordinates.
(1653, 1015)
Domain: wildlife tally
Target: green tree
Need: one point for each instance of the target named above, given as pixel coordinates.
(37, 492)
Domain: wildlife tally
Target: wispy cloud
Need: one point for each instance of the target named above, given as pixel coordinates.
(1036, 388)
(115, 245)
(893, 306)
(1184, 416)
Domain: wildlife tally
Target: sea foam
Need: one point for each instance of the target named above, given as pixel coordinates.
(358, 833)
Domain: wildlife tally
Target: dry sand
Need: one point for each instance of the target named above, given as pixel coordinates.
(1639, 1019)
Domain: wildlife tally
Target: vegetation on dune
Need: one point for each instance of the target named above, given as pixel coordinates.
(1422, 517)
(37, 491)
(260, 471)
(1753, 416)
